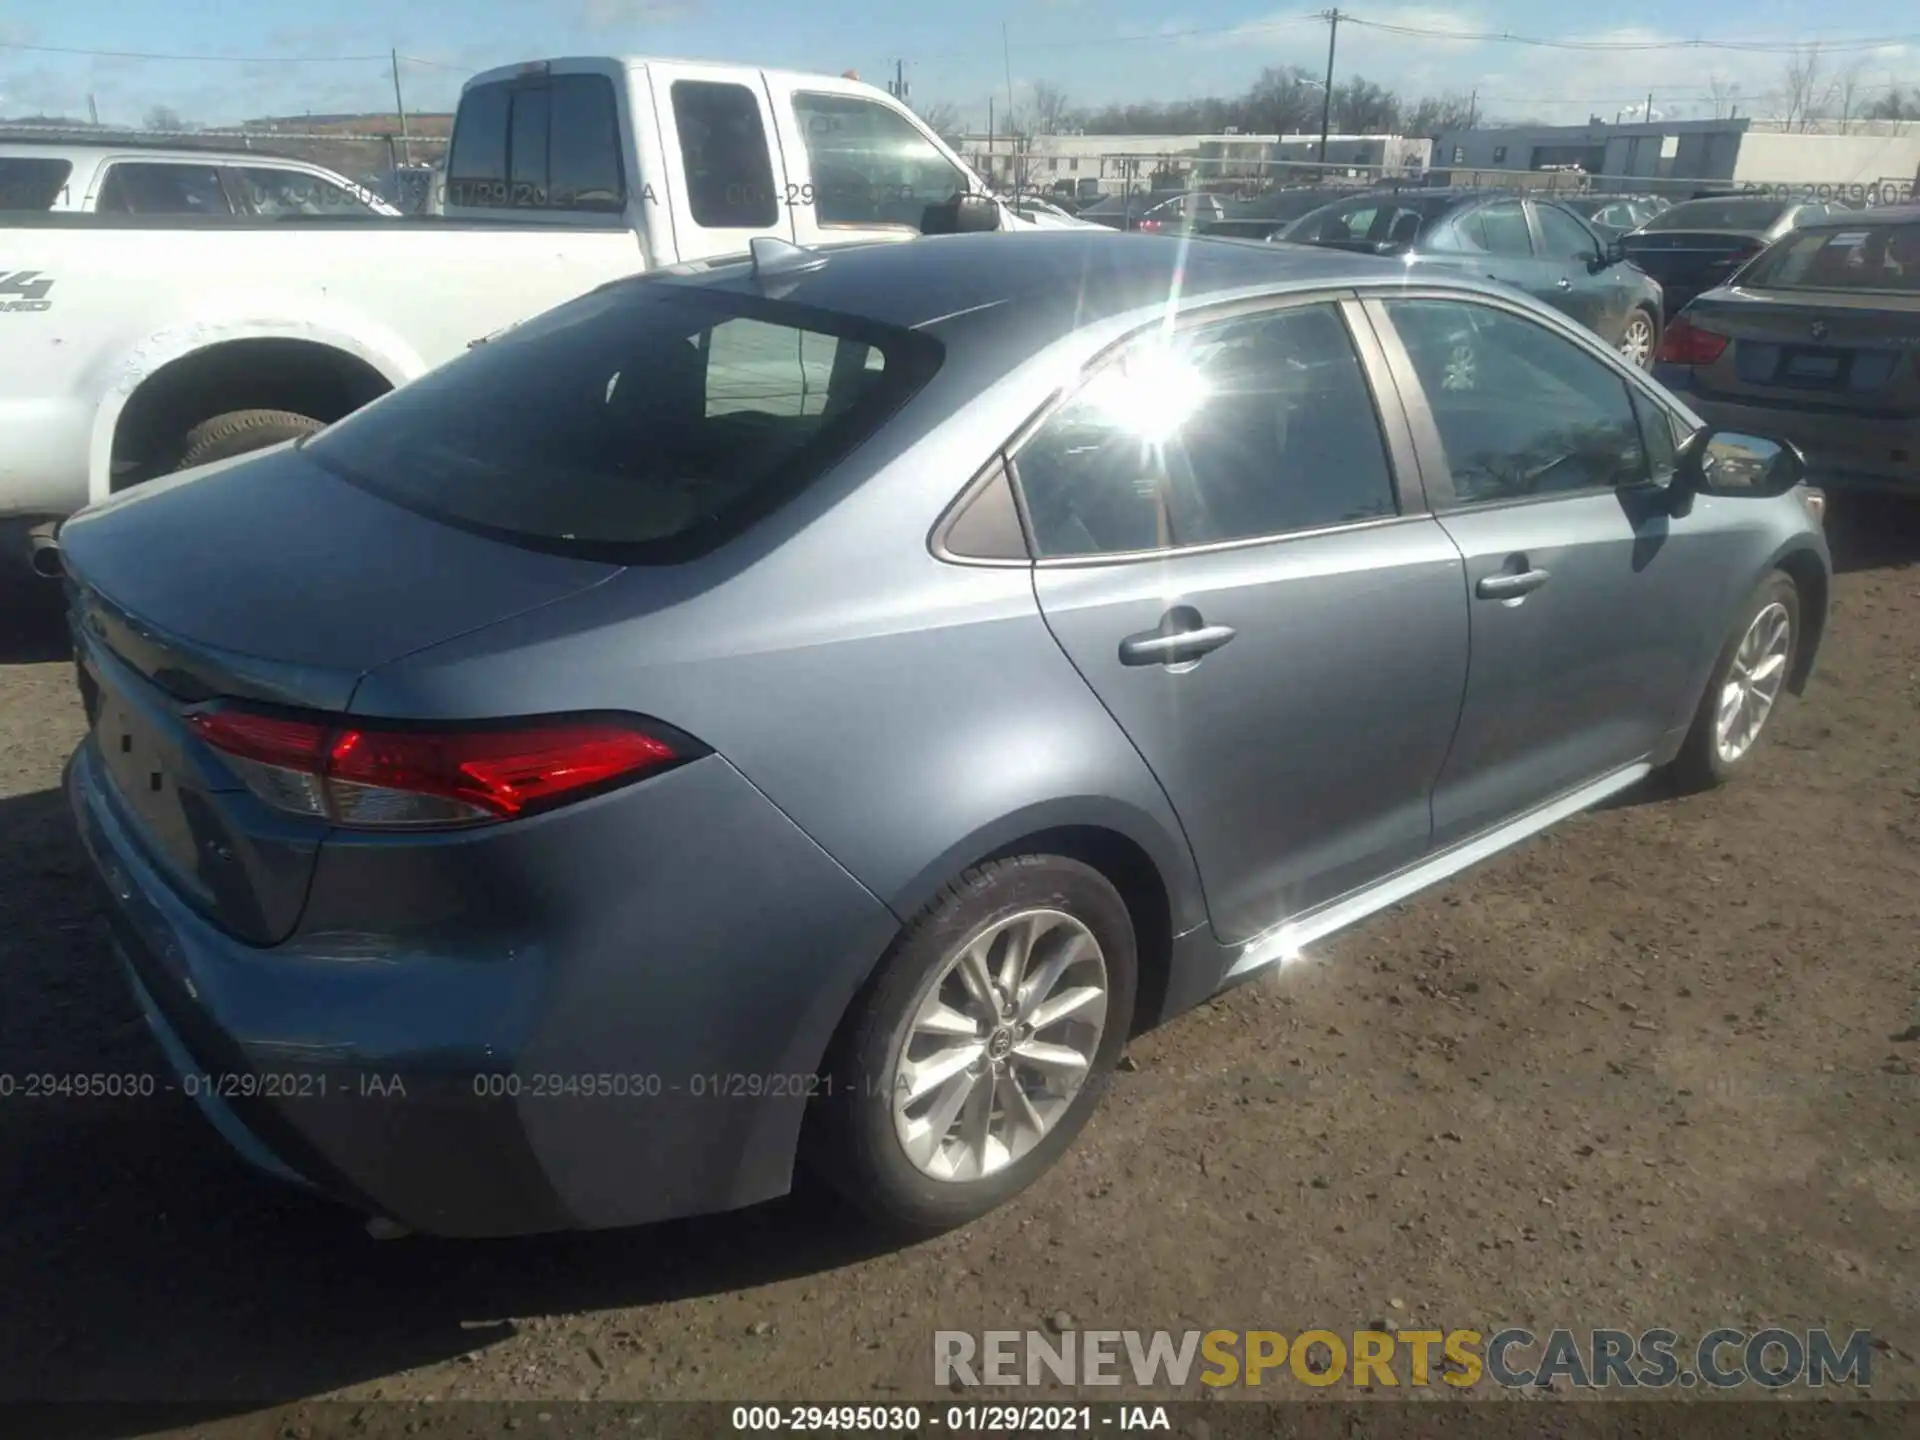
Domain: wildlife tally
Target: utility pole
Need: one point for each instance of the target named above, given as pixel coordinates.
(1473, 108)
(1013, 125)
(1326, 100)
(400, 107)
(93, 110)
(1647, 114)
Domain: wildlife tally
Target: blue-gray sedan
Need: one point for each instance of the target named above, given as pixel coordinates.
(821, 706)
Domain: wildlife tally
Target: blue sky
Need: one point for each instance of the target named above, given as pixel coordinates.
(1097, 50)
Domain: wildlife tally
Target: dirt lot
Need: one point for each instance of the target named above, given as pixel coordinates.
(1649, 1070)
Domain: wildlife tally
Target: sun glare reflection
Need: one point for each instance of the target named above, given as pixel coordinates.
(1150, 394)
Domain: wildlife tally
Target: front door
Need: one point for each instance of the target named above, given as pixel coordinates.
(1583, 287)
(1589, 603)
(724, 176)
(1278, 626)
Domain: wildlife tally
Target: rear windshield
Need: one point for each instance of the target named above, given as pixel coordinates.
(31, 182)
(643, 423)
(1718, 215)
(1383, 222)
(544, 143)
(1863, 257)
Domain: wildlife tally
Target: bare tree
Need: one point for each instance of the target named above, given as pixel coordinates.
(1431, 114)
(1806, 93)
(1361, 107)
(1048, 111)
(1284, 101)
(1899, 103)
(165, 118)
(942, 117)
(1724, 95)
(1848, 92)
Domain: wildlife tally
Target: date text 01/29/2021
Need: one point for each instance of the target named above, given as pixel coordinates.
(960, 1419)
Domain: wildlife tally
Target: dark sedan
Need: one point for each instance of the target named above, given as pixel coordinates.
(1264, 218)
(1534, 245)
(1699, 243)
(1819, 340)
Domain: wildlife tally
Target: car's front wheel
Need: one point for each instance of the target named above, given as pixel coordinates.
(1639, 338)
(980, 1046)
(1748, 677)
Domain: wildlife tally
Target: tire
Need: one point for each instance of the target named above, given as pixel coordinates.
(854, 1140)
(239, 431)
(1640, 337)
(1702, 764)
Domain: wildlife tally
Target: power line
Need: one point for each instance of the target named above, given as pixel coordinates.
(1758, 47)
(156, 55)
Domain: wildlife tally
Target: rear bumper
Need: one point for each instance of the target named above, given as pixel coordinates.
(644, 1053)
(1844, 452)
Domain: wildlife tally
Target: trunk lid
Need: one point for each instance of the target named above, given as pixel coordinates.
(270, 580)
(1841, 351)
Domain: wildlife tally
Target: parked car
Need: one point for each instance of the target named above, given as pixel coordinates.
(1267, 216)
(1697, 244)
(602, 746)
(1183, 214)
(154, 341)
(1611, 216)
(135, 178)
(1532, 244)
(1818, 339)
(1117, 212)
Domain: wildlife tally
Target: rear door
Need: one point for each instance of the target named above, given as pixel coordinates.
(1499, 243)
(859, 168)
(722, 158)
(1234, 552)
(1589, 602)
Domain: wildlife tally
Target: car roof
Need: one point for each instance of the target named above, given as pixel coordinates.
(1874, 215)
(1009, 296)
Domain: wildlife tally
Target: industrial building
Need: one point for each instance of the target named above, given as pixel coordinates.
(1112, 163)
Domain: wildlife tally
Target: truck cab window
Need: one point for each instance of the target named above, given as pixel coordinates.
(548, 144)
(870, 164)
(144, 187)
(723, 147)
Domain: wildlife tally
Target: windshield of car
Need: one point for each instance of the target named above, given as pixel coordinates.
(1864, 257)
(1753, 215)
(644, 422)
(31, 182)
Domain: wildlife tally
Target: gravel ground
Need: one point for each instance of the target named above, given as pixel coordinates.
(1655, 1068)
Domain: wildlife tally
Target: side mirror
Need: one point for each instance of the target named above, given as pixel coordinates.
(965, 214)
(1613, 252)
(1731, 464)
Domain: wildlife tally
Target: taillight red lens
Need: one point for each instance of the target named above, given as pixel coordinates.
(1686, 343)
(370, 776)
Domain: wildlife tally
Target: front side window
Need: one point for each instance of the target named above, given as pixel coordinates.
(143, 187)
(1522, 412)
(1496, 229)
(1240, 429)
(1564, 237)
(723, 147)
(870, 164)
(551, 143)
(642, 423)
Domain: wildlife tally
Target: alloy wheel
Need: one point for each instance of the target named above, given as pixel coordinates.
(1753, 682)
(1001, 1042)
(1636, 341)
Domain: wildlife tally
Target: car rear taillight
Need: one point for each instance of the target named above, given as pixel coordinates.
(1686, 343)
(1149, 224)
(380, 776)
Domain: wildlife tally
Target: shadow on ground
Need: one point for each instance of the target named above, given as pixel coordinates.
(142, 1262)
(32, 628)
(1872, 532)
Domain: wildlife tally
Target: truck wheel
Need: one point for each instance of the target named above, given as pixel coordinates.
(239, 431)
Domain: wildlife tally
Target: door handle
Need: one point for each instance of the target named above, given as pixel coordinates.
(1510, 586)
(1182, 637)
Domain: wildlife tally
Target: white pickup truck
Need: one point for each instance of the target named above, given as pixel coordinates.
(136, 345)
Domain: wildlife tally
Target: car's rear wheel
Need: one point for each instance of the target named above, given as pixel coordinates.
(239, 431)
(1640, 338)
(980, 1046)
(1748, 678)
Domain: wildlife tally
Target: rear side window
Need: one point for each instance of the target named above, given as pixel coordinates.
(1719, 215)
(1499, 229)
(723, 147)
(1252, 427)
(551, 143)
(642, 423)
(138, 187)
(29, 182)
